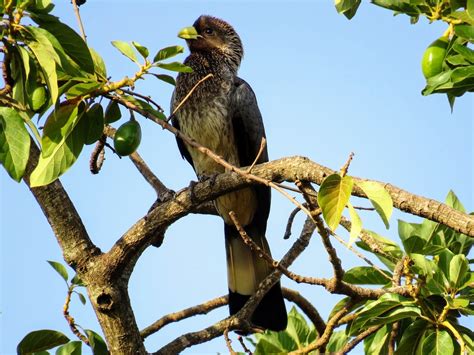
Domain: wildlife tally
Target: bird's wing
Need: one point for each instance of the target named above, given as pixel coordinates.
(248, 133)
(181, 146)
(247, 123)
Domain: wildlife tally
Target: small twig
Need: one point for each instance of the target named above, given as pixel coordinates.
(263, 143)
(203, 308)
(228, 342)
(362, 208)
(242, 342)
(359, 255)
(144, 97)
(289, 225)
(97, 156)
(210, 75)
(345, 167)
(78, 16)
(392, 338)
(353, 343)
(70, 319)
(161, 190)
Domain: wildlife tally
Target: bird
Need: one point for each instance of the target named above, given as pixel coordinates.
(222, 114)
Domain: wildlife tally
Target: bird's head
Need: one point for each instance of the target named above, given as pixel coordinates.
(210, 34)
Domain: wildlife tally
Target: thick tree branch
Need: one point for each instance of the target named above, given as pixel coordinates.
(63, 218)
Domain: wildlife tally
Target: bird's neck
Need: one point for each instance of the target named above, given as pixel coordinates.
(214, 62)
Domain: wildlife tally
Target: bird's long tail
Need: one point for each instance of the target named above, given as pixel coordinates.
(245, 270)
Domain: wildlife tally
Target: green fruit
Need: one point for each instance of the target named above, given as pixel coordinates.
(37, 98)
(433, 58)
(127, 138)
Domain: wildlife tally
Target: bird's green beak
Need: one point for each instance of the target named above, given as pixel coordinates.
(188, 33)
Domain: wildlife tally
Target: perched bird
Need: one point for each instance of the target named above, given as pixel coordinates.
(222, 114)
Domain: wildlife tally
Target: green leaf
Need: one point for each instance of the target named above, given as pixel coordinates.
(59, 125)
(389, 252)
(337, 341)
(167, 52)
(458, 271)
(265, 346)
(76, 280)
(453, 201)
(81, 89)
(97, 343)
(141, 49)
(377, 343)
(63, 141)
(297, 327)
(444, 262)
(112, 112)
(40, 340)
(93, 121)
(356, 224)
(411, 337)
(82, 298)
(14, 143)
(380, 199)
(438, 342)
(347, 7)
(465, 31)
(366, 275)
(72, 43)
(47, 59)
(333, 196)
(175, 66)
(99, 64)
(166, 78)
(470, 8)
(60, 269)
(71, 348)
(126, 49)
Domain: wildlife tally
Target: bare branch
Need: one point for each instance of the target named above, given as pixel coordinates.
(203, 308)
(289, 224)
(353, 343)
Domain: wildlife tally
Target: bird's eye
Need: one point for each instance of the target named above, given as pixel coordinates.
(209, 31)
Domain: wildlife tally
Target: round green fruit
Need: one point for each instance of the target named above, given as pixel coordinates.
(127, 138)
(433, 58)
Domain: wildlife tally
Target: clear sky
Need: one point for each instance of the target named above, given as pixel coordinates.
(326, 87)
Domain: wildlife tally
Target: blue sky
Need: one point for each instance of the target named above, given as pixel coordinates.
(326, 87)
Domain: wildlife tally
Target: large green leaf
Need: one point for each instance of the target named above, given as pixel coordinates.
(99, 64)
(97, 343)
(40, 340)
(71, 348)
(14, 143)
(141, 49)
(175, 66)
(62, 152)
(380, 199)
(337, 341)
(333, 196)
(347, 7)
(60, 269)
(297, 328)
(377, 343)
(453, 201)
(458, 271)
(465, 31)
(71, 42)
(58, 127)
(93, 121)
(411, 337)
(438, 342)
(167, 52)
(126, 49)
(365, 275)
(47, 58)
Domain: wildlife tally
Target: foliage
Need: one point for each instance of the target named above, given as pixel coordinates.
(442, 290)
(57, 77)
(457, 72)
